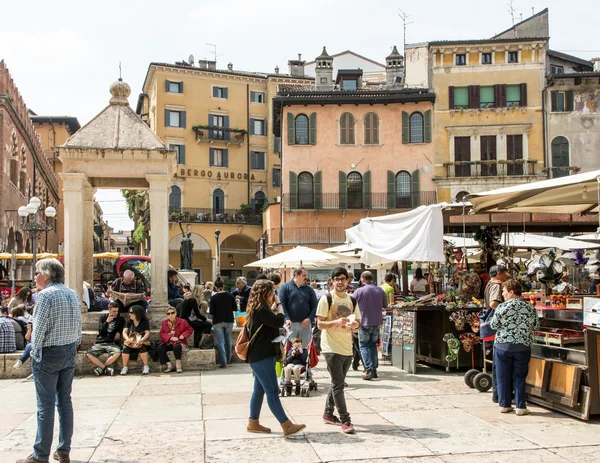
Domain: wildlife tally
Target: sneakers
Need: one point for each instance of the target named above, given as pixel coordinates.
(32, 459)
(522, 411)
(146, 370)
(506, 409)
(331, 419)
(109, 371)
(18, 364)
(61, 457)
(98, 371)
(124, 371)
(347, 428)
(369, 376)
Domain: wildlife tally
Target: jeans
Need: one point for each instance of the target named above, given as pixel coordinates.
(338, 366)
(53, 378)
(164, 348)
(27, 353)
(223, 334)
(265, 382)
(511, 371)
(368, 337)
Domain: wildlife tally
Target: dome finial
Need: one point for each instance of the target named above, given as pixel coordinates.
(120, 91)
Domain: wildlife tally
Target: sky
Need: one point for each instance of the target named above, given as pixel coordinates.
(64, 54)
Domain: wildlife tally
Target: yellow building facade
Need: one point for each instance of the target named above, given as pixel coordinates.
(228, 161)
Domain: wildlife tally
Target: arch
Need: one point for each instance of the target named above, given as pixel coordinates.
(371, 129)
(200, 243)
(301, 129)
(259, 201)
(355, 190)
(403, 190)
(560, 156)
(416, 132)
(306, 197)
(175, 199)
(218, 201)
(347, 129)
(461, 195)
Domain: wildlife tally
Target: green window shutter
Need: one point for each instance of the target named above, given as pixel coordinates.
(318, 178)
(293, 190)
(523, 102)
(181, 154)
(182, 119)
(167, 117)
(264, 127)
(180, 87)
(427, 130)
(415, 189)
(554, 98)
(343, 191)
(367, 189)
(225, 158)
(391, 190)
(569, 100)
(291, 129)
(215, 92)
(226, 125)
(312, 129)
(167, 85)
(252, 127)
(225, 93)
(252, 97)
(211, 157)
(405, 133)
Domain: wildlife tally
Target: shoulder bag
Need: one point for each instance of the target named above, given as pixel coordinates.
(242, 345)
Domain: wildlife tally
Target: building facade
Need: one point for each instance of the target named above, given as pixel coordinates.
(349, 152)
(228, 162)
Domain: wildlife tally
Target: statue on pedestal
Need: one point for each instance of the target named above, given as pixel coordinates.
(186, 250)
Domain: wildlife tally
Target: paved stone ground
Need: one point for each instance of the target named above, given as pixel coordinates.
(431, 417)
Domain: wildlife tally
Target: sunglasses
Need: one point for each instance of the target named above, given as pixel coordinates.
(170, 313)
(130, 313)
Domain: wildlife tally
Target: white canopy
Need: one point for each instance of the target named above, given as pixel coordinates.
(585, 237)
(416, 235)
(530, 240)
(460, 242)
(300, 255)
(565, 195)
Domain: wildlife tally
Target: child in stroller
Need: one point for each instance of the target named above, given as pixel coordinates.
(297, 362)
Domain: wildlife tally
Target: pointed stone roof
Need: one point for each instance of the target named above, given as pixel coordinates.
(116, 127)
(324, 55)
(394, 54)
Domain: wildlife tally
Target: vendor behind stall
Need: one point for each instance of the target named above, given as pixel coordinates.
(419, 285)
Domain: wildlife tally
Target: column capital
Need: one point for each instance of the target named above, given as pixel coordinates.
(74, 181)
(158, 181)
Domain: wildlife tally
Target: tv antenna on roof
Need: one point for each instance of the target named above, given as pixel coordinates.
(511, 11)
(405, 23)
(214, 51)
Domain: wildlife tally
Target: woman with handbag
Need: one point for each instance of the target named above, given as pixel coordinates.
(262, 327)
(174, 333)
(136, 338)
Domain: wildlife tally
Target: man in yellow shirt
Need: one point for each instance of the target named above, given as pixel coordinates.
(338, 316)
(388, 288)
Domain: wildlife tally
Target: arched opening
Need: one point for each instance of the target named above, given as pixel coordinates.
(201, 260)
(259, 202)
(347, 129)
(237, 251)
(371, 129)
(403, 190)
(416, 128)
(301, 126)
(560, 157)
(306, 191)
(218, 201)
(175, 199)
(355, 190)
(461, 195)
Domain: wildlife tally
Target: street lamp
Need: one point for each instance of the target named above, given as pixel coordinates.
(217, 234)
(29, 224)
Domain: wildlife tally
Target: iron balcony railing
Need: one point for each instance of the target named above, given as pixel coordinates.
(199, 215)
(336, 201)
(490, 168)
(306, 235)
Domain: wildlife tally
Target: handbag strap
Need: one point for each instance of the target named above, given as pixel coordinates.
(255, 333)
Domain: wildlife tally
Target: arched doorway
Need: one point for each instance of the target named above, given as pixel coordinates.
(259, 201)
(202, 259)
(237, 251)
(218, 201)
(560, 157)
(355, 190)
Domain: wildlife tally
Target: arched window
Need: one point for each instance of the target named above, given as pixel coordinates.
(560, 157)
(347, 129)
(371, 129)
(306, 198)
(355, 190)
(175, 199)
(301, 126)
(403, 190)
(461, 195)
(259, 202)
(218, 201)
(416, 128)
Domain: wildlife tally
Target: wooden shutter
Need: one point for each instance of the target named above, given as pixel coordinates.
(391, 189)
(523, 101)
(167, 85)
(167, 117)
(264, 127)
(500, 96)
(473, 96)
(405, 128)
(427, 122)
(211, 157)
(252, 96)
(225, 158)
(367, 190)
(252, 127)
(368, 128)
(415, 189)
(180, 87)
(554, 101)
(569, 100)
(450, 97)
(215, 92)
(225, 93)
(291, 129)
(318, 178)
(226, 134)
(293, 190)
(343, 204)
(343, 129)
(181, 159)
(312, 129)
(350, 121)
(182, 119)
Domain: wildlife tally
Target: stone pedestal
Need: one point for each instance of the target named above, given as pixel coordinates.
(190, 276)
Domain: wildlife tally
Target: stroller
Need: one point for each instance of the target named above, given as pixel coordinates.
(307, 382)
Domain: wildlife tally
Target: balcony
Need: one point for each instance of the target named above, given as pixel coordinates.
(563, 171)
(518, 168)
(212, 133)
(306, 235)
(380, 201)
(199, 215)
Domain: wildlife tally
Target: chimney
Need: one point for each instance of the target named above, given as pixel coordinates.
(394, 70)
(230, 67)
(207, 64)
(296, 66)
(596, 62)
(324, 71)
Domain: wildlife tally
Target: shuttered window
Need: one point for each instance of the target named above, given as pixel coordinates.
(514, 152)
(562, 101)
(305, 191)
(462, 154)
(220, 92)
(403, 190)
(276, 177)
(486, 96)
(347, 129)
(257, 97)
(371, 129)
(301, 132)
(488, 153)
(174, 118)
(560, 157)
(258, 127)
(355, 190)
(174, 87)
(513, 95)
(416, 128)
(461, 97)
(180, 153)
(257, 159)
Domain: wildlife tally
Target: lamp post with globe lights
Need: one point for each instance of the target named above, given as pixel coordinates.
(30, 224)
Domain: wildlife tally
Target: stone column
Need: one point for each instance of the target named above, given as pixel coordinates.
(73, 201)
(88, 235)
(159, 230)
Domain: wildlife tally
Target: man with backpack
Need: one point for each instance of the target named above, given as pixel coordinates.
(338, 316)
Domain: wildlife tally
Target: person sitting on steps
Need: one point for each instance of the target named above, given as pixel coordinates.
(136, 335)
(174, 333)
(108, 341)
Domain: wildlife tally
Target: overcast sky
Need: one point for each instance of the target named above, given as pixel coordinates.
(65, 54)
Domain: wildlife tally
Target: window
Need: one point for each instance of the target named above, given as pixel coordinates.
(301, 125)
(461, 97)
(416, 128)
(180, 153)
(514, 152)
(486, 97)
(118, 249)
(174, 118)
(14, 171)
(305, 191)
(355, 190)
(554, 69)
(175, 199)
(562, 101)
(220, 92)
(461, 59)
(257, 97)
(513, 56)
(258, 127)
(462, 154)
(403, 190)
(371, 129)
(259, 202)
(276, 177)
(486, 58)
(277, 145)
(217, 121)
(461, 195)
(560, 157)
(218, 201)
(219, 157)
(347, 129)
(323, 80)
(488, 153)
(513, 95)
(349, 84)
(257, 160)
(174, 87)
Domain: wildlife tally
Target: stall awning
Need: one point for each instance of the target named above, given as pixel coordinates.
(533, 241)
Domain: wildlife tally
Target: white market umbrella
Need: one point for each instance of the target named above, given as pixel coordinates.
(300, 255)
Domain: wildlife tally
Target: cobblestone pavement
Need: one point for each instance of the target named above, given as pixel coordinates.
(431, 417)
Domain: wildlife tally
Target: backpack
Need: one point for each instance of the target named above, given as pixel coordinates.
(330, 300)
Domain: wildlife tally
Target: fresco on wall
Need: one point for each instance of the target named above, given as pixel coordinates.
(587, 102)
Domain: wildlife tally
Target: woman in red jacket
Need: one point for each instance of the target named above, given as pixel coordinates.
(173, 336)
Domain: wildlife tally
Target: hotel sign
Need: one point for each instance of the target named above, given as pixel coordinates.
(214, 174)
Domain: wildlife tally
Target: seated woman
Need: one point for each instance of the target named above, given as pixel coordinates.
(136, 338)
(173, 336)
(191, 313)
